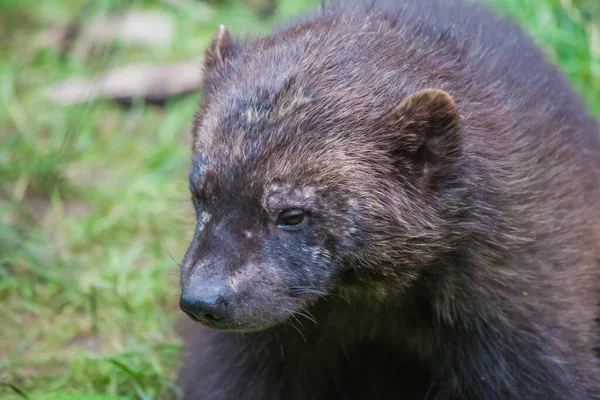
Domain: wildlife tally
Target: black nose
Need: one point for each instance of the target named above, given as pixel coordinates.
(206, 307)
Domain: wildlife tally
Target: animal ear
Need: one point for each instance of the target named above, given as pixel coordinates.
(429, 135)
(220, 49)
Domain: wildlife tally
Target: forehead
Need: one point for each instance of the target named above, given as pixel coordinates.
(275, 115)
(260, 132)
(281, 171)
(247, 107)
(242, 188)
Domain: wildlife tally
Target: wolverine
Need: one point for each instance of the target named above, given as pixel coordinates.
(394, 200)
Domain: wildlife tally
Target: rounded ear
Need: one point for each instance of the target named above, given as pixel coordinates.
(428, 133)
(220, 49)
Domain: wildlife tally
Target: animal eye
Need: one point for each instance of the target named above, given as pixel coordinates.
(292, 219)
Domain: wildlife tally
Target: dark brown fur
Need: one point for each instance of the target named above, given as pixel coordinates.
(451, 181)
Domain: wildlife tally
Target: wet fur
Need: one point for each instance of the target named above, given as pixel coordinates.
(474, 275)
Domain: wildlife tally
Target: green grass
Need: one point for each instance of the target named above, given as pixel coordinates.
(94, 211)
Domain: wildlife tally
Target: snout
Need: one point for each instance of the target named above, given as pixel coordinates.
(208, 304)
(252, 299)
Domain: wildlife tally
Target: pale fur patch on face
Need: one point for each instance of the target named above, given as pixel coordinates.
(319, 253)
(251, 272)
(243, 276)
(256, 115)
(197, 271)
(299, 98)
(350, 225)
(203, 219)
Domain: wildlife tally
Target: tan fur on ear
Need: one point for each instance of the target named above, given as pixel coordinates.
(429, 113)
(432, 100)
(219, 48)
(430, 134)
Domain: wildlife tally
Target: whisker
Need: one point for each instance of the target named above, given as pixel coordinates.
(273, 333)
(311, 319)
(303, 310)
(164, 246)
(293, 315)
(296, 328)
(289, 322)
(308, 290)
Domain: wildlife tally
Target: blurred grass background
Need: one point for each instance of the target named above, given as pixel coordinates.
(94, 212)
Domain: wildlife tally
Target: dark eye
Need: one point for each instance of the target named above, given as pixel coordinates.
(292, 219)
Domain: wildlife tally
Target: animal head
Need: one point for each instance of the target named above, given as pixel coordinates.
(308, 180)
